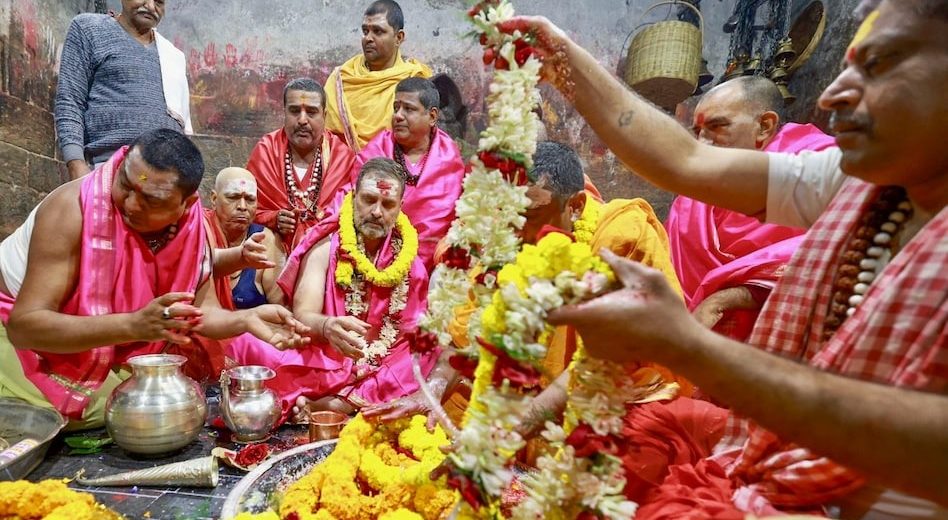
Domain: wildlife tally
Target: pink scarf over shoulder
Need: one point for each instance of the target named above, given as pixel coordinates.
(715, 248)
(117, 273)
(430, 204)
(898, 336)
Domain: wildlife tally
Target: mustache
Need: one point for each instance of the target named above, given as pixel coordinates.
(849, 121)
(145, 11)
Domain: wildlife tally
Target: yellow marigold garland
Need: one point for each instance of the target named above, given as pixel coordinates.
(365, 453)
(348, 242)
(50, 500)
(585, 227)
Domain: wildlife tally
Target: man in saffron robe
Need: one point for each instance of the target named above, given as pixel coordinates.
(430, 157)
(360, 92)
(728, 262)
(845, 372)
(358, 301)
(300, 167)
(119, 268)
(247, 256)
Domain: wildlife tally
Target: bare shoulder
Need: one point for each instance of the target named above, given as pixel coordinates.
(59, 217)
(317, 257)
(271, 239)
(274, 245)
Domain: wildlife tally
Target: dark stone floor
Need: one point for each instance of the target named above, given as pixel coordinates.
(157, 503)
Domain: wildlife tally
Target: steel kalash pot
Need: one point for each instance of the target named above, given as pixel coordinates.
(158, 409)
(249, 408)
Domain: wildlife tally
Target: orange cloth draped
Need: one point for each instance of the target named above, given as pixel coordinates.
(365, 106)
(659, 435)
(268, 167)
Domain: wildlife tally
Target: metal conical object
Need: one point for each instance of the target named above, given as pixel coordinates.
(200, 472)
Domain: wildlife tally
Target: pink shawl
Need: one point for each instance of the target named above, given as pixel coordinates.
(319, 370)
(430, 204)
(714, 248)
(117, 273)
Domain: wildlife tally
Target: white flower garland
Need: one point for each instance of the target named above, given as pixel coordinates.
(375, 352)
(490, 208)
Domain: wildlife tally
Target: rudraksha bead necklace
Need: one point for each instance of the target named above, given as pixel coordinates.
(410, 179)
(305, 200)
(868, 252)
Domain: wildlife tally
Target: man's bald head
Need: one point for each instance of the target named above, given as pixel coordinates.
(234, 200)
(742, 113)
(235, 177)
(758, 93)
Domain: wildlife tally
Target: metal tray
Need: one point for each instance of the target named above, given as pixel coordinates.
(20, 420)
(260, 490)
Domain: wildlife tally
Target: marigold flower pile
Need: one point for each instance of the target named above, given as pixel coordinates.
(49, 500)
(375, 471)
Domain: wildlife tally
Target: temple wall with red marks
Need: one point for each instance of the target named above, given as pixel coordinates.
(242, 52)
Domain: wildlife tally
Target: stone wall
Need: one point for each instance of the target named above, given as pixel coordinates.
(241, 53)
(31, 36)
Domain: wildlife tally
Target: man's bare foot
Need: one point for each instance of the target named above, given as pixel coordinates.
(304, 406)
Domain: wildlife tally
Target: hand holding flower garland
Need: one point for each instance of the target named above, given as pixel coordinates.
(545, 276)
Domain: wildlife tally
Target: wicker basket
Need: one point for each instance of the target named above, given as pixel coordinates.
(664, 59)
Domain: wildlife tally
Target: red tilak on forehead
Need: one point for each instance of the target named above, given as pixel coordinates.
(383, 185)
(851, 54)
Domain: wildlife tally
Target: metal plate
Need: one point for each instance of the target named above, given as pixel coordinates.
(20, 420)
(260, 490)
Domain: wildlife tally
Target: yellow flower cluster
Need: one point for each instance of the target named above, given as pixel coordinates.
(585, 227)
(366, 477)
(552, 255)
(49, 500)
(391, 275)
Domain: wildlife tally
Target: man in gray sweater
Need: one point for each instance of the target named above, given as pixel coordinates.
(118, 78)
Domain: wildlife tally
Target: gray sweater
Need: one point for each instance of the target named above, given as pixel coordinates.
(109, 89)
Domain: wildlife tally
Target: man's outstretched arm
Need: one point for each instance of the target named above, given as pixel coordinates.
(895, 436)
(648, 141)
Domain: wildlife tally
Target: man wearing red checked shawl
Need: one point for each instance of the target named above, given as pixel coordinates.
(845, 377)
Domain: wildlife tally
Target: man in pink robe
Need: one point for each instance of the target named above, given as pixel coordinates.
(430, 157)
(119, 268)
(339, 371)
(728, 262)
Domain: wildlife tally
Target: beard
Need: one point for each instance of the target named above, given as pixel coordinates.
(372, 230)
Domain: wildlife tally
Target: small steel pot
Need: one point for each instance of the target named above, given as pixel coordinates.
(158, 409)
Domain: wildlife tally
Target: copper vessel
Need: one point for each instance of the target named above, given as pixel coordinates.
(325, 425)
